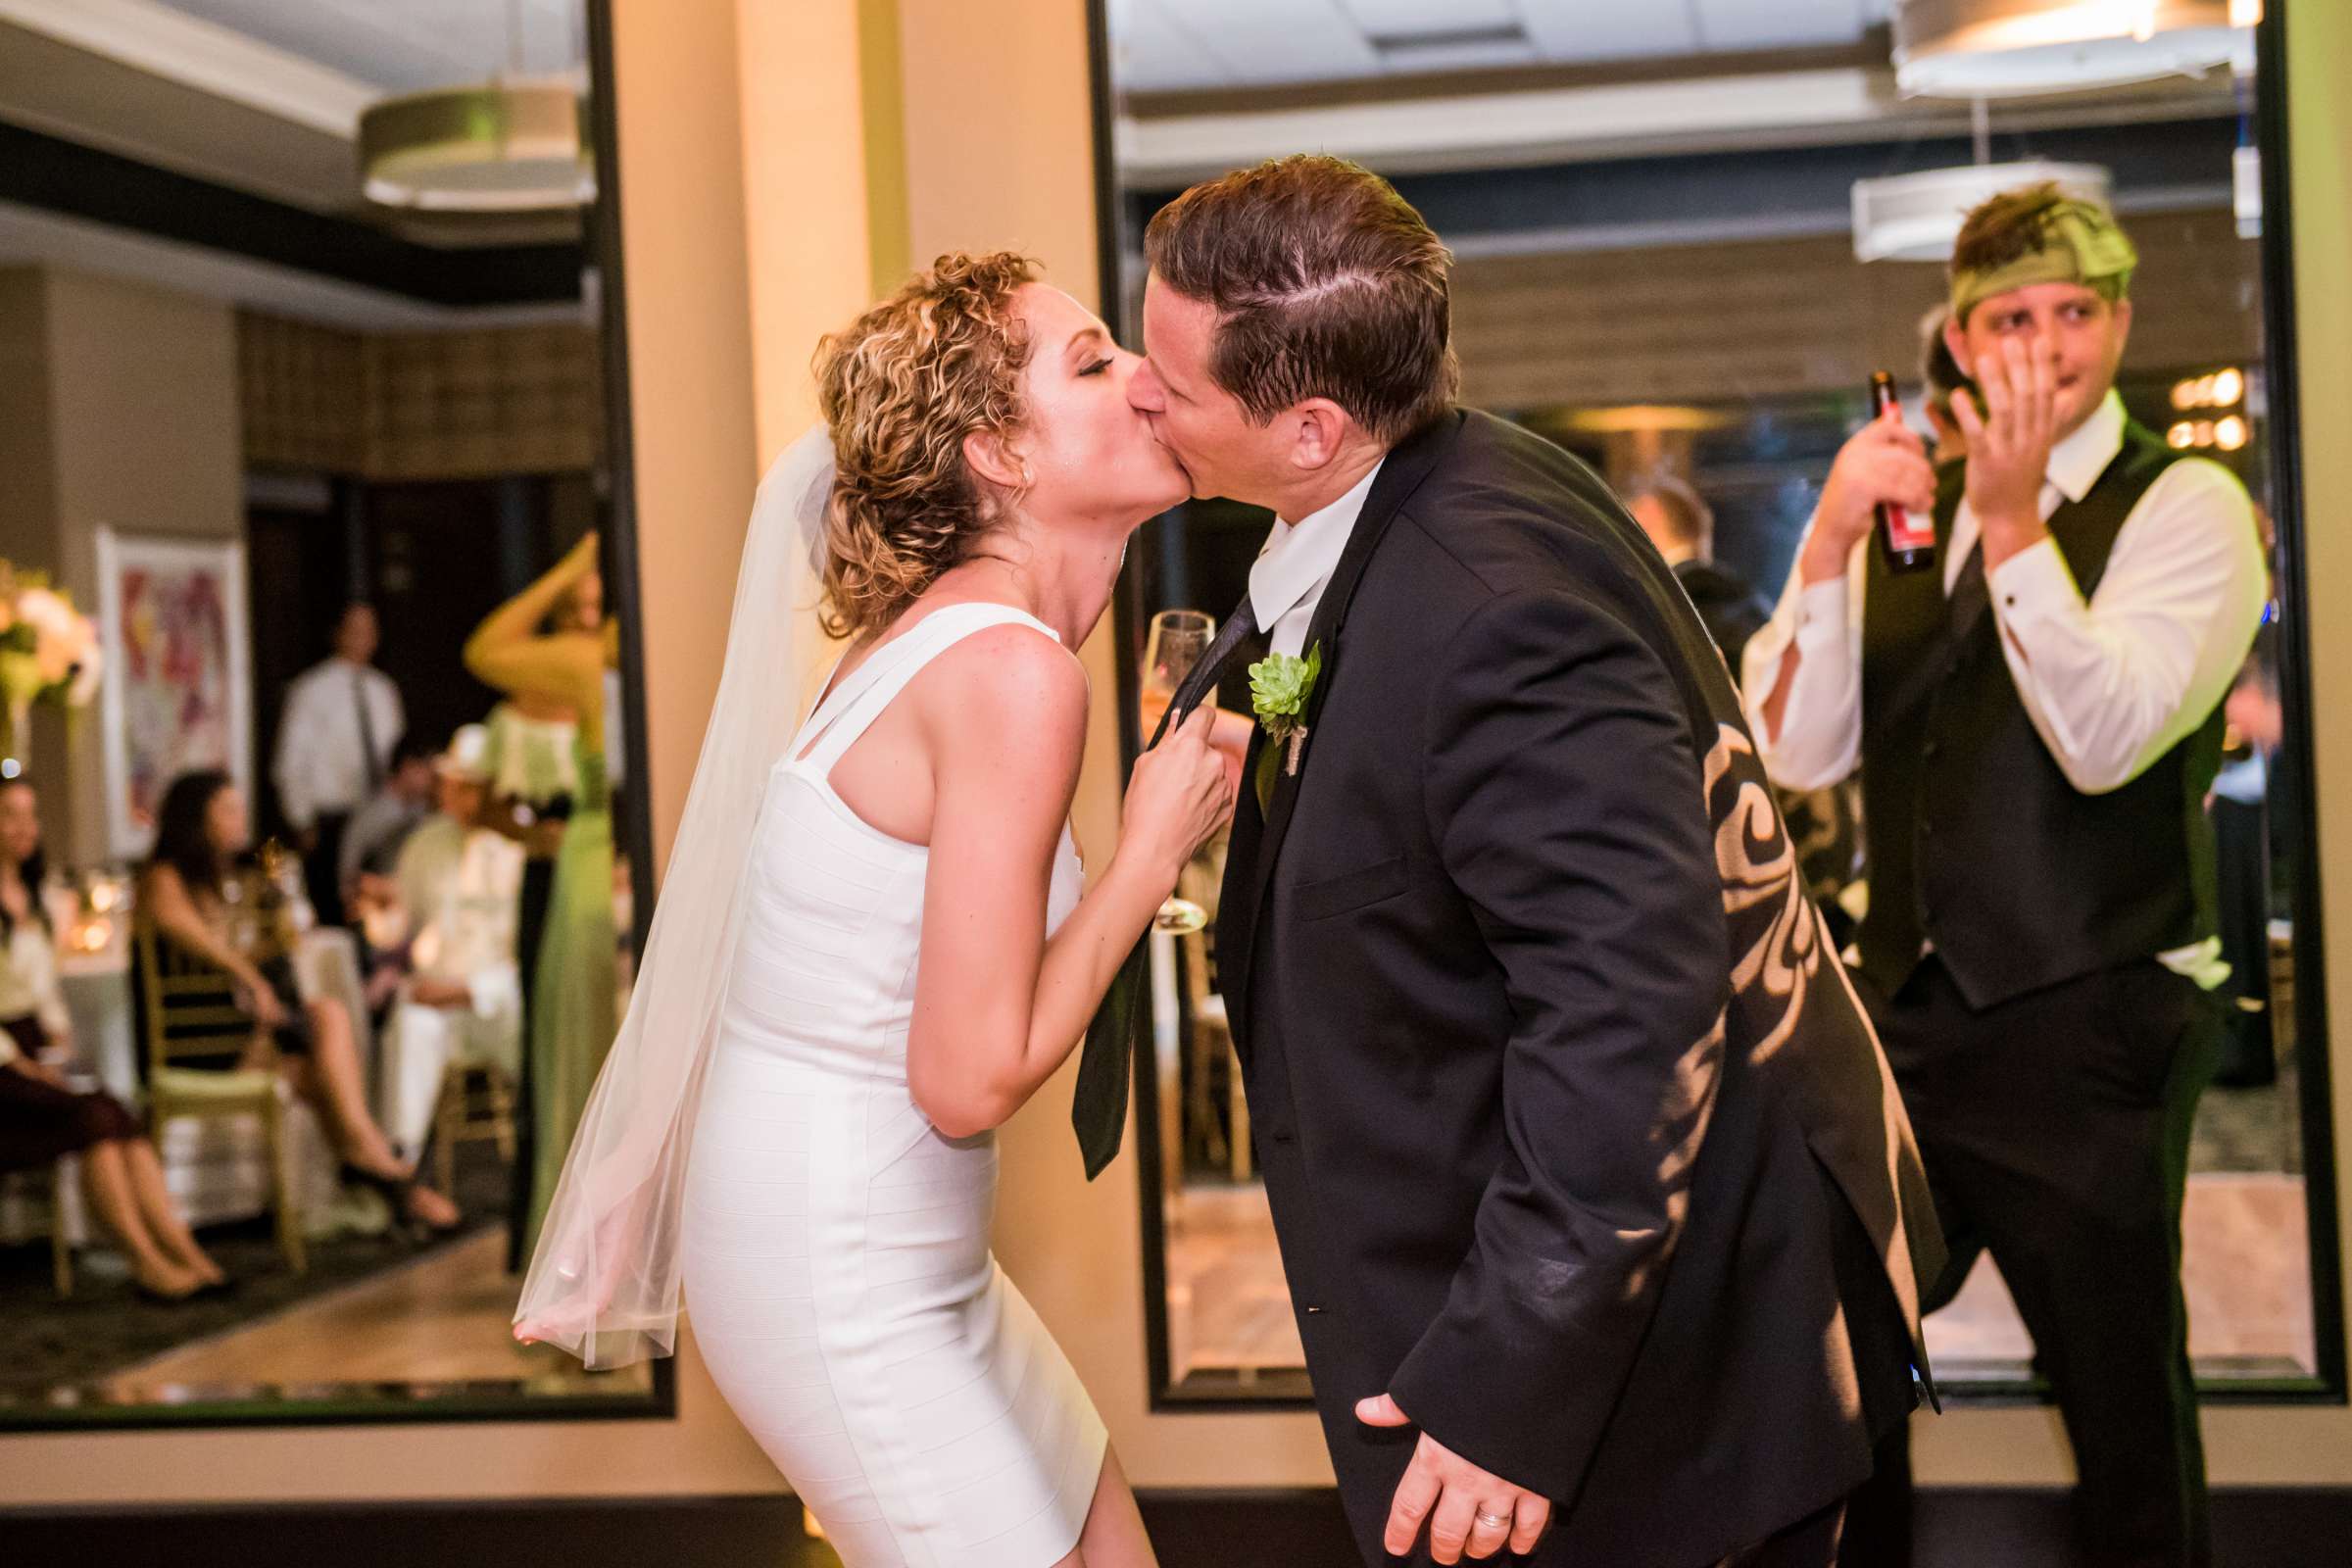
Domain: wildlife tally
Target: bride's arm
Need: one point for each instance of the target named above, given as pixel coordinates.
(997, 1007)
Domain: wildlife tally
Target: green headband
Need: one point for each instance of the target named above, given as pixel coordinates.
(2079, 244)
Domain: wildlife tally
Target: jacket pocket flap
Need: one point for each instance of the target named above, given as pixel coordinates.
(1351, 890)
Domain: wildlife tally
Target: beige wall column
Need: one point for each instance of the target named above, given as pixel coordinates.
(1000, 155)
(824, 203)
(683, 267)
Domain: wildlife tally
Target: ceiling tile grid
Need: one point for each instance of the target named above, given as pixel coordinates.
(1179, 45)
(409, 45)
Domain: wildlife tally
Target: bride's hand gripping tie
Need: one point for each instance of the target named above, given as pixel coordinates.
(1180, 794)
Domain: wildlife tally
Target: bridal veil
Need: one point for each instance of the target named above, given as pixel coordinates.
(604, 1283)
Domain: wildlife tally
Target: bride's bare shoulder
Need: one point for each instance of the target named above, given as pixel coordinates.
(1012, 667)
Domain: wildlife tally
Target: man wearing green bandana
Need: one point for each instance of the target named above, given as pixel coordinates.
(2037, 723)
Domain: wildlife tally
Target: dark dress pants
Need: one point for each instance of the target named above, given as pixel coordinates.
(530, 930)
(1808, 1543)
(321, 868)
(2055, 1128)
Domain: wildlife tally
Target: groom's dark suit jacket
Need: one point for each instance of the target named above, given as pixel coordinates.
(1576, 1138)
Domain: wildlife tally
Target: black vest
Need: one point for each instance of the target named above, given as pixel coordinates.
(1977, 841)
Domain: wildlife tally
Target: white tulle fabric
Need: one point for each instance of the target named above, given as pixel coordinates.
(605, 1281)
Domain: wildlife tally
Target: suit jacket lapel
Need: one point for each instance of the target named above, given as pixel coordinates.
(1408, 464)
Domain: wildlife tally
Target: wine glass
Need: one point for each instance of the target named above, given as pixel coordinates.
(1179, 640)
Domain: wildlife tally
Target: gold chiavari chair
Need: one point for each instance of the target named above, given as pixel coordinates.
(477, 1103)
(187, 1009)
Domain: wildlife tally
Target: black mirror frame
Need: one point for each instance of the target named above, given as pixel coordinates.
(370, 1404)
(1288, 1389)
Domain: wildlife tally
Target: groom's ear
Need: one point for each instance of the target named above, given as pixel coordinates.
(1319, 429)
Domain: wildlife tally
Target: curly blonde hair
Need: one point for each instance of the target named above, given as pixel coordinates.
(899, 389)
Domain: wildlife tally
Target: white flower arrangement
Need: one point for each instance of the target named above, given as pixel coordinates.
(49, 653)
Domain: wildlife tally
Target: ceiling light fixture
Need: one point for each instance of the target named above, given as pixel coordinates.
(2013, 48)
(513, 144)
(1915, 218)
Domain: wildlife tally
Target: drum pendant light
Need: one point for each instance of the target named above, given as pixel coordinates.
(509, 145)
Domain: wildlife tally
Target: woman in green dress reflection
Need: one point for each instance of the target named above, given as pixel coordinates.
(548, 649)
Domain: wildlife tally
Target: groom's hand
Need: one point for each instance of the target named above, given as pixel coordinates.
(1459, 1500)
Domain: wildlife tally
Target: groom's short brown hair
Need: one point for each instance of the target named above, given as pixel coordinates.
(1326, 283)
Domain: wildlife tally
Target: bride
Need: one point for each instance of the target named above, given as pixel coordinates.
(870, 948)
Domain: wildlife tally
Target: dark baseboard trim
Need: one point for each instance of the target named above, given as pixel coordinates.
(761, 1530)
(2014, 1527)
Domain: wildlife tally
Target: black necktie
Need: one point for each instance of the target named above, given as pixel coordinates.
(1968, 598)
(372, 761)
(1099, 1107)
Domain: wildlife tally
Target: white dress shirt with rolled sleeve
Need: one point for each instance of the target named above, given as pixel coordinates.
(2111, 683)
(322, 764)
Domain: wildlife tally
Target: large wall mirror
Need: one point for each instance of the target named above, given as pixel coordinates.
(326, 855)
(1686, 236)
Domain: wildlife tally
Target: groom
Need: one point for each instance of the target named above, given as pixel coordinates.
(1603, 1222)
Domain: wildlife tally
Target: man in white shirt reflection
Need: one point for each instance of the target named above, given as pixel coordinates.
(2036, 722)
(457, 887)
(334, 748)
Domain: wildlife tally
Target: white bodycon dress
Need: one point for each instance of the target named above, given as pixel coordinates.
(837, 1266)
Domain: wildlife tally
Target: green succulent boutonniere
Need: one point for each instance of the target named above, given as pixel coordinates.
(1280, 688)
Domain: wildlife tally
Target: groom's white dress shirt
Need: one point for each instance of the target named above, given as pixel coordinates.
(1288, 580)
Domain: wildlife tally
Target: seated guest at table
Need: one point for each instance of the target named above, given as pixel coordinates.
(185, 894)
(41, 1117)
(372, 838)
(460, 886)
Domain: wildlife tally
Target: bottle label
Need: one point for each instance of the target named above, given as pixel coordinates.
(1905, 531)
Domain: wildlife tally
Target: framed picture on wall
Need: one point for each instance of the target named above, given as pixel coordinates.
(177, 680)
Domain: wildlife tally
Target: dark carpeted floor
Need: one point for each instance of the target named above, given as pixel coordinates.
(105, 1326)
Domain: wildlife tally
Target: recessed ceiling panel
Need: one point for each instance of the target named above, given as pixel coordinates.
(1730, 24)
(1578, 32)
(413, 44)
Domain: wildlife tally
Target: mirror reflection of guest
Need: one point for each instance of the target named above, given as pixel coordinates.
(372, 838)
(2037, 723)
(548, 649)
(184, 894)
(459, 882)
(334, 743)
(1681, 523)
(1821, 822)
(42, 1118)
(2245, 803)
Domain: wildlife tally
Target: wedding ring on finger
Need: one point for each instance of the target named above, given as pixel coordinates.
(1492, 1521)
